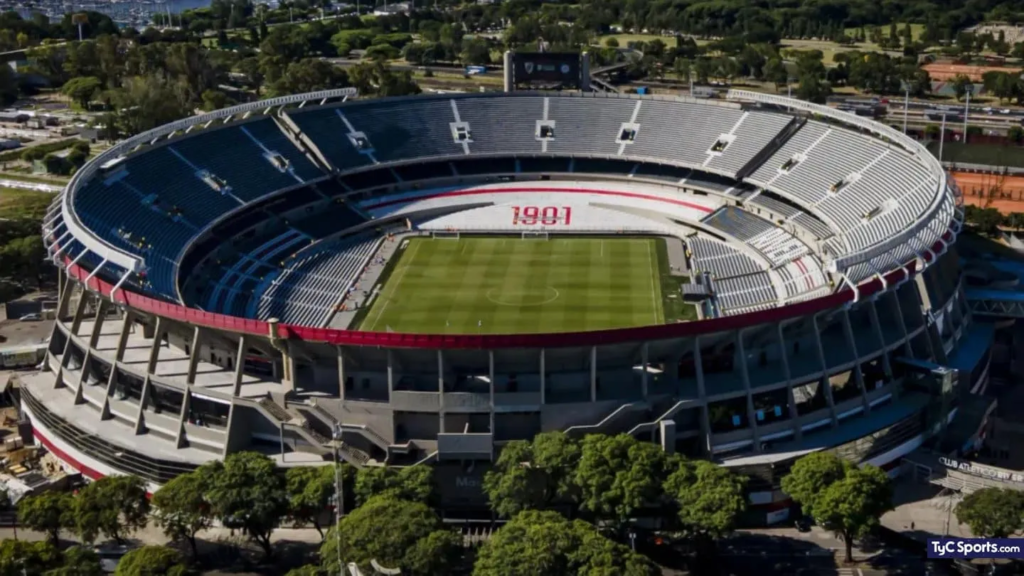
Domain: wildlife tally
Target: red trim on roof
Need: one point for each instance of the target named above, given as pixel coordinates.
(492, 341)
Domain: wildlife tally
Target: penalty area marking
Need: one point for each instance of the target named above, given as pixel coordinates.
(547, 290)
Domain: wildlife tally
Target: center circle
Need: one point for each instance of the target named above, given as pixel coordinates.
(527, 296)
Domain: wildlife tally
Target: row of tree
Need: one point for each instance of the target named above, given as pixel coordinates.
(604, 481)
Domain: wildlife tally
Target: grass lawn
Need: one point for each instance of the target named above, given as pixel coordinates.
(17, 203)
(502, 285)
(991, 154)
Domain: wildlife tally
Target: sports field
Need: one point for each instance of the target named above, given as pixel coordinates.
(489, 285)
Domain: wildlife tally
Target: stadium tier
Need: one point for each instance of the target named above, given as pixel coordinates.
(430, 277)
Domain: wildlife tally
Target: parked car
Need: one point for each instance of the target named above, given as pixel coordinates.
(31, 318)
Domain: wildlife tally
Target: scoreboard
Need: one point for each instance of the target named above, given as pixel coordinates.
(547, 67)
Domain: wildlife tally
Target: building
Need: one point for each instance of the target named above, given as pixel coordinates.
(210, 317)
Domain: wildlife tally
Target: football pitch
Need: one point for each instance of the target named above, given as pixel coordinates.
(507, 285)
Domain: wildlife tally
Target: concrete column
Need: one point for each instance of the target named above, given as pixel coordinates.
(140, 417)
(154, 349)
(490, 371)
(824, 368)
(239, 363)
(794, 414)
(182, 440)
(543, 379)
(288, 364)
(907, 348)
(81, 376)
(876, 325)
(741, 359)
(593, 373)
(122, 339)
(705, 417)
(508, 73)
(667, 429)
(111, 382)
(97, 327)
(194, 354)
(643, 373)
(66, 289)
(858, 374)
(341, 374)
(76, 322)
(440, 390)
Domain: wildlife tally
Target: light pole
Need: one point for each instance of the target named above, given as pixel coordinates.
(942, 136)
(906, 105)
(967, 110)
(339, 495)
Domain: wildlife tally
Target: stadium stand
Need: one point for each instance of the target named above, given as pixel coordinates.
(737, 223)
(742, 293)
(719, 259)
(315, 280)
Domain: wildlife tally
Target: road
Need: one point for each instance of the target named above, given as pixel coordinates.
(787, 552)
(37, 186)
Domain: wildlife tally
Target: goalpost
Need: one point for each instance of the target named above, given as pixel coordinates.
(535, 235)
(445, 235)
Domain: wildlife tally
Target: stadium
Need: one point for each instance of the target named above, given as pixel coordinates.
(427, 278)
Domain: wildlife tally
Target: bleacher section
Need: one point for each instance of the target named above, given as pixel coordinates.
(737, 223)
(745, 293)
(719, 259)
(755, 131)
(153, 203)
(312, 283)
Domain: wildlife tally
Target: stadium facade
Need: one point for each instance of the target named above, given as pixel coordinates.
(208, 266)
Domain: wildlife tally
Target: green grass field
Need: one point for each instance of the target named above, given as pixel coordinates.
(991, 154)
(503, 285)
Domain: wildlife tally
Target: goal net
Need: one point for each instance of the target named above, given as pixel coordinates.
(535, 235)
(445, 234)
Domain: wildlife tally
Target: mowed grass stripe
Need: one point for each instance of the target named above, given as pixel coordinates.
(509, 285)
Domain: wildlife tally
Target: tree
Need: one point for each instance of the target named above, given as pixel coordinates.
(114, 506)
(396, 533)
(78, 561)
(475, 51)
(682, 68)
(532, 474)
(709, 497)
(810, 475)
(961, 85)
(151, 561)
(992, 512)
(1015, 134)
(616, 475)
(182, 509)
(308, 75)
(48, 513)
(145, 102)
(18, 557)
(851, 507)
(307, 570)
(776, 73)
(247, 493)
(611, 42)
(412, 483)
(215, 100)
(544, 542)
(82, 89)
(310, 491)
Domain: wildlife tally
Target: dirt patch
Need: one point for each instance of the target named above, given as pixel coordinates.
(943, 71)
